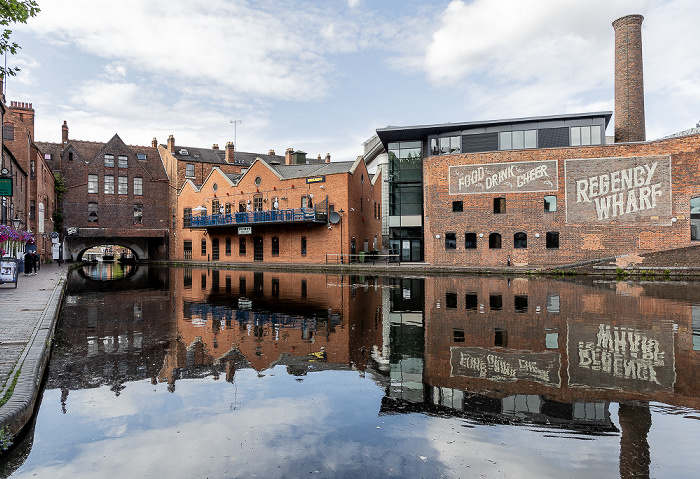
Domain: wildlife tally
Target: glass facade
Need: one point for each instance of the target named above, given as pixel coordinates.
(406, 199)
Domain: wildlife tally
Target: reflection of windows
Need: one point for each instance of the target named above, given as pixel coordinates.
(552, 239)
(303, 288)
(123, 185)
(138, 214)
(138, 186)
(457, 206)
(92, 212)
(494, 241)
(93, 184)
(520, 240)
(275, 286)
(450, 241)
(469, 240)
(552, 303)
(189, 170)
(520, 303)
(470, 301)
(499, 205)
(109, 184)
(550, 203)
(695, 218)
(517, 140)
(585, 135)
(188, 255)
(496, 302)
(448, 145)
(450, 300)
(275, 246)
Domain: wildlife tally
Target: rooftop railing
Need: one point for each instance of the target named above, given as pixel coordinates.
(299, 215)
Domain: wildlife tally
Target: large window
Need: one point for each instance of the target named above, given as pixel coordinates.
(123, 185)
(517, 140)
(109, 184)
(123, 161)
(204, 247)
(93, 185)
(520, 240)
(499, 205)
(257, 203)
(138, 186)
(241, 246)
(109, 161)
(586, 135)
(405, 179)
(187, 217)
(469, 240)
(494, 241)
(92, 212)
(448, 145)
(275, 246)
(189, 170)
(138, 214)
(552, 239)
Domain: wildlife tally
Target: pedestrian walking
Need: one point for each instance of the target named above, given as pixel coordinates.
(36, 261)
(28, 260)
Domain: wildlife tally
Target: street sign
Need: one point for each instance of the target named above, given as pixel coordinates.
(6, 186)
(245, 230)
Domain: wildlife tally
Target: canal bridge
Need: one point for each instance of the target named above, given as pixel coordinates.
(146, 243)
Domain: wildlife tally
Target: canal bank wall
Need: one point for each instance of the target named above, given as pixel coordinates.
(28, 316)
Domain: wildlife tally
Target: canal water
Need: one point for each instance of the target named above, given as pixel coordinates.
(203, 373)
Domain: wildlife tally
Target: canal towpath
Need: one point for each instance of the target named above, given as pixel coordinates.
(28, 316)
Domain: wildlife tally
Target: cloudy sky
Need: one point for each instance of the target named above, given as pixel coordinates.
(322, 76)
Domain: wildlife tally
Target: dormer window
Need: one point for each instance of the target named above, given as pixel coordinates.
(184, 152)
(141, 156)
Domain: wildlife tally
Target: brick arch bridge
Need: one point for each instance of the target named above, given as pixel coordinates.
(143, 247)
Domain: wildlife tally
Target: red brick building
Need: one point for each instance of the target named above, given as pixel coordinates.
(292, 213)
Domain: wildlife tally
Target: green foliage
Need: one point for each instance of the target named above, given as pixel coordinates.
(59, 184)
(13, 11)
(5, 438)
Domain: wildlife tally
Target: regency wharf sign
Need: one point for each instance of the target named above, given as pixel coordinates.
(513, 177)
(601, 190)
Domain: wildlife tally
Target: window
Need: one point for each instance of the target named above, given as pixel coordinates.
(275, 287)
(141, 156)
(585, 135)
(242, 206)
(469, 240)
(188, 254)
(241, 246)
(32, 169)
(494, 241)
(550, 203)
(32, 209)
(109, 184)
(204, 247)
(499, 205)
(92, 212)
(257, 203)
(70, 156)
(47, 156)
(258, 180)
(123, 161)
(500, 338)
(520, 303)
(123, 185)
(450, 241)
(93, 186)
(552, 239)
(275, 246)
(215, 207)
(458, 335)
(517, 140)
(496, 302)
(457, 206)
(8, 132)
(109, 161)
(471, 302)
(138, 186)
(520, 240)
(448, 145)
(451, 300)
(228, 246)
(186, 217)
(227, 208)
(215, 249)
(189, 170)
(138, 214)
(303, 245)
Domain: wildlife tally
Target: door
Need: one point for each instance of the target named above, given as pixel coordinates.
(258, 248)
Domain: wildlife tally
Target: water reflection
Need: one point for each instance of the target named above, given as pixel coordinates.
(594, 360)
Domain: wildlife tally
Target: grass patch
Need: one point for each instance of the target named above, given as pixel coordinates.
(11, 389)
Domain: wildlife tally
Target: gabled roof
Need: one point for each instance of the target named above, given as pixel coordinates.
(288, 172)
(209, 155)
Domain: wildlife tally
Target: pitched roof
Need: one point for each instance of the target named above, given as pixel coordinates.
(218, 156)
(302, 171)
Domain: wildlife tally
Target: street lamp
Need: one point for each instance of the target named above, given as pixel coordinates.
(16, 222)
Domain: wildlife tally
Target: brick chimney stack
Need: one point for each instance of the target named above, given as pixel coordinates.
(288, 156)
(215, 146)
(64, 132)
(328, 157)
(271, 152)
(154, 143)
(25, 112)
(230, 152)
(629, 80)
(171, 144)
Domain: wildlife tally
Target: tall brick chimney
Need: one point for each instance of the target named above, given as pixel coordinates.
(171, 144)
(328, 157)
(230, 152)
(629, 80)
(288, 156)
(64, 132)
(154, 143)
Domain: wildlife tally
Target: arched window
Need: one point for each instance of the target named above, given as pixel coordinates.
(520, 240)
(494, 240)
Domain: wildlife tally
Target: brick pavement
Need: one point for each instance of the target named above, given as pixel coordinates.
(28, 316)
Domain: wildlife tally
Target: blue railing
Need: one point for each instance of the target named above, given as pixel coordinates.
(257, 217)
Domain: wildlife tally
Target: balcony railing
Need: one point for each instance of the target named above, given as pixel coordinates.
(299, 215)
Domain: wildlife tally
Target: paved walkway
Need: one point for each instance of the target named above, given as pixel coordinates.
(28, 316)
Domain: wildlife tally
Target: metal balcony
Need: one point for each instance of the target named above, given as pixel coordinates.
(290, 216)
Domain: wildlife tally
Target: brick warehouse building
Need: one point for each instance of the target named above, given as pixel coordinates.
(545, 190)
(116, 194)
(296, 212)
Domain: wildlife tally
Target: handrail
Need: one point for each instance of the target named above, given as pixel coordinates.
(256, 217)
(361, 257)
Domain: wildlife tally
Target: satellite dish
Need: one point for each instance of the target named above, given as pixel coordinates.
(334, 217)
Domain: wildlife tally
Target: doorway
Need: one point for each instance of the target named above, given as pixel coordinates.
(258, 248)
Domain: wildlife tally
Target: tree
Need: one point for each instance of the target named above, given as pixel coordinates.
(13, 11)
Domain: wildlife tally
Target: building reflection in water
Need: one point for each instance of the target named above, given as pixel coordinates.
(492, 350)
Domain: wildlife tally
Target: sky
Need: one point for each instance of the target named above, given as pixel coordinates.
(322, 76)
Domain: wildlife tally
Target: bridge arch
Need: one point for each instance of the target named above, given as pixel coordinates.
(78, 246)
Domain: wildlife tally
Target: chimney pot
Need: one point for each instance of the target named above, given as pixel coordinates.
(271, 152)
(328, 157)
(154, 142)
(230, 152)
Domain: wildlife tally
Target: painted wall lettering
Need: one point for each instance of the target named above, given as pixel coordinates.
(517, 177)
(600, 190)
(541, 367)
